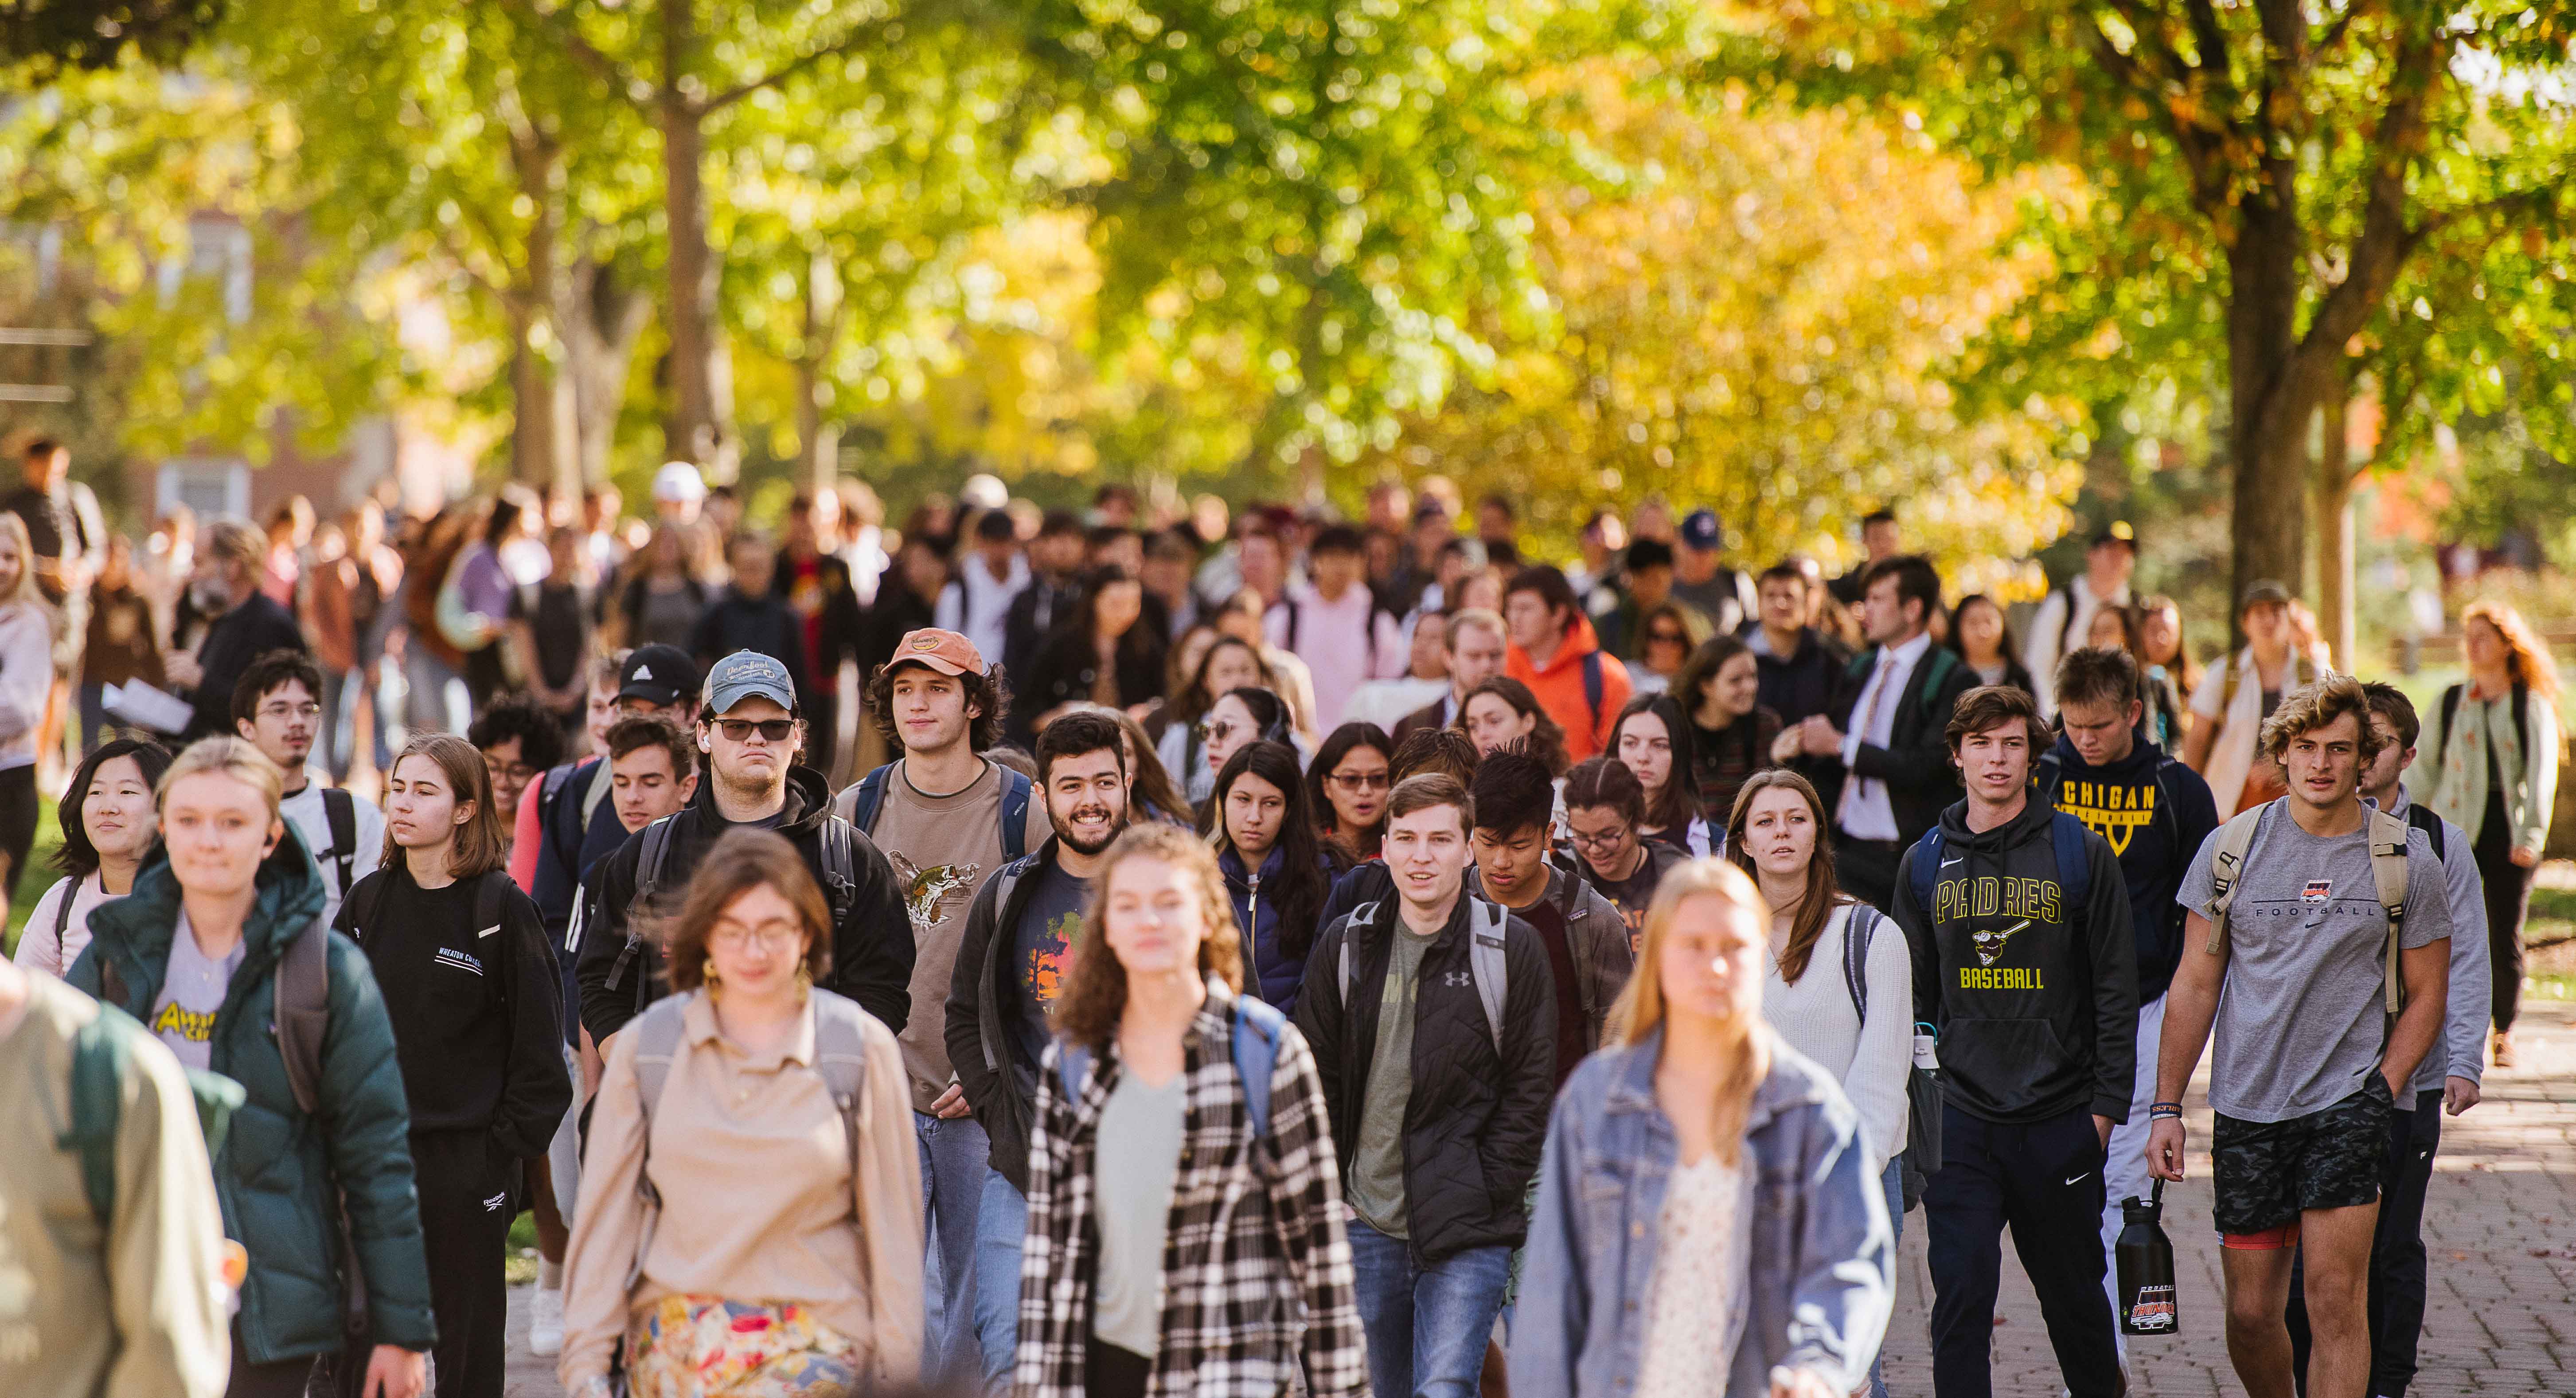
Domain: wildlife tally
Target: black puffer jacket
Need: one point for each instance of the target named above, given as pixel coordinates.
(1477, 1117)
(871, 948)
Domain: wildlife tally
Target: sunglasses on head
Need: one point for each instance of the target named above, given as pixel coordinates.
(774, 730)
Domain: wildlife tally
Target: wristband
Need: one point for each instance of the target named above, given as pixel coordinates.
(2158, 1106)
(2164, 1113)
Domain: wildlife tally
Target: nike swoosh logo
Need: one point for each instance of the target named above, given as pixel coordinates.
(1959, 859)
(488, 931)
(2078, 1177)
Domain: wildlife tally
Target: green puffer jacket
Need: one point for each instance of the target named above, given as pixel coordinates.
(276, 1171)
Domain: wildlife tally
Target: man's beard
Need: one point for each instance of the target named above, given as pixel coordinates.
(1064, 832)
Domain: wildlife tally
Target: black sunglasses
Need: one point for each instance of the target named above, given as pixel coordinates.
(739, 730)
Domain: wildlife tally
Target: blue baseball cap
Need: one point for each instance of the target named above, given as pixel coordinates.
(1699, 530)
(748, 674)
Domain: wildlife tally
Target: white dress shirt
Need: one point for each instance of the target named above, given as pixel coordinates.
(1864, 813)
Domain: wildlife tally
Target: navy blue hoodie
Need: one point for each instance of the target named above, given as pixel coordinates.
(2155, 812)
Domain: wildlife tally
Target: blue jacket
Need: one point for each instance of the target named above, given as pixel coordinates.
(1821, 1264)
(1275, 974)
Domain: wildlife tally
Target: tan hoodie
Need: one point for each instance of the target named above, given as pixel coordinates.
(133, 1308)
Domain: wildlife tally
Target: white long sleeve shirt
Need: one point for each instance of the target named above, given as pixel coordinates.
(26, 678)
(1870, 1058)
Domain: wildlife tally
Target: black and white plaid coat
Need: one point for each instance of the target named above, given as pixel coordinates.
(1255, 1251)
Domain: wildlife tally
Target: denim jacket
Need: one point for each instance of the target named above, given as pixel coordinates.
(1820, 1279)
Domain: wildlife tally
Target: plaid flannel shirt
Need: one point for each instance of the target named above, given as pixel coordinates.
(1247, 1242)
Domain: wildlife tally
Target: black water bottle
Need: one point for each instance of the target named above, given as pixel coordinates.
(2145, 1257)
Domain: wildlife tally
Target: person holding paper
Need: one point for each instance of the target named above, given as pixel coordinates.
(248, 623)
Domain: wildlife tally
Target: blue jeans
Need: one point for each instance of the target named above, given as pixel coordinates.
(1426, 1328)
(953, 1155)
(1894, 1180)
(1001, 1222)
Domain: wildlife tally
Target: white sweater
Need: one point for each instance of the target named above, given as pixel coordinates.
(26, 678)
(1815, 1017)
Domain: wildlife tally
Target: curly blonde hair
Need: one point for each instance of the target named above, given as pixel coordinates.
(2314, 705)
(1095, 990)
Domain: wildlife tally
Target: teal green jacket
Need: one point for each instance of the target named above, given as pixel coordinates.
(278, 1167)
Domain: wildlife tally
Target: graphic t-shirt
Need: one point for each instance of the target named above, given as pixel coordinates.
(943, 848)
(1377, 1163)
(1631, 894)
(1042, 951)
(2299, 1015)
(192, 990)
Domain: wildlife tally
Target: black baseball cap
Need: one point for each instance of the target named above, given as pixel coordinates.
(659, 675)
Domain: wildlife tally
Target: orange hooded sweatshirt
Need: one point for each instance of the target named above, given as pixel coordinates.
(1560, 688)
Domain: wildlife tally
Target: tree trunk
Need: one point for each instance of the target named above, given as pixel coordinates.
(2267, 429)
(2332, 500)
(816, 431)
(601, 315)
(701, 425)
(542, 430)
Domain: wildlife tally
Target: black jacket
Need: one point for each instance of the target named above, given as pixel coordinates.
(2042, 1019)
(991, 1063)
(765, 624)
(1477, 1118)
(871, 949)
(237, 638)
(1915, 764)
(477, 1012)
(1068, 663)
(1035, 614)
(2155, 812)
(1810, 680)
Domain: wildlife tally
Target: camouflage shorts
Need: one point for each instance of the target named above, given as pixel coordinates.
(2269, 1172)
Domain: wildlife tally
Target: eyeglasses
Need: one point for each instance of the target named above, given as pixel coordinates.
(510, 773)
(739, 730)
(1215, 732)
(1608, 839)
(1667, 638)
(282, 709)
(1360, 781)
(732, 939)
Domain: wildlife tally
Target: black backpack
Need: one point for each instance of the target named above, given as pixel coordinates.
(840, 888)
(340, 812)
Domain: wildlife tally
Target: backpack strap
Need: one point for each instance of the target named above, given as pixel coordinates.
(649, 858)
(1072, 1068)
(1257, 1027)
(2422, 818)
(2043, 777)
(99, 1056)
(69, 888)
(657, 1034)
(2388, 870)
(488, 892)
(871, 798)
(1485, 959)
(841, 1056)
(1593, 684)
(1362, 916)
(840, 867)
(1859, 927)
(340, 812)
(1016, 791)
(303, 1010)
(2074, 861)
(2226, 867)
(1925, 865)
(2450, 709)
(1936, 671)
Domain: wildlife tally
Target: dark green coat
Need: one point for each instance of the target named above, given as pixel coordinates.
(277, 1168)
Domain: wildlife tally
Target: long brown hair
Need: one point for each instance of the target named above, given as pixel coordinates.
(2526, 658)
(1095, 989)
(475, 849)
(1640, 1008)
(1816, 906)
(1546, 740)
(742, 859)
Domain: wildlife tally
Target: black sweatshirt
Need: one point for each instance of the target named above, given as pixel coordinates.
(477, 1012)
(2036, 999)
(2156, 813)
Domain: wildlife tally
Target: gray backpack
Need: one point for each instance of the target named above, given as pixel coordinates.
(1484, 958)
(840, 1056)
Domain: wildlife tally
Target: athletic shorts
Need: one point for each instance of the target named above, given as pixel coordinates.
(2269, 1172)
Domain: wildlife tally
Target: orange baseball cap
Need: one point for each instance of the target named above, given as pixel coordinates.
(945, 651)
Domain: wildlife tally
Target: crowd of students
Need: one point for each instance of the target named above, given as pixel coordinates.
(1300, 953)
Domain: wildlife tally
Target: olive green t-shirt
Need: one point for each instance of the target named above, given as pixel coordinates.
(1377, 1165)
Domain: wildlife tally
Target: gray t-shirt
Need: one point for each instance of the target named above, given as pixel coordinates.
(1135, 1163)
(2300, 1016)
(192, 990)
(1377, 1164)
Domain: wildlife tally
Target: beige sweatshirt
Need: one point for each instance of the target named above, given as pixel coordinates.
(134, 1308)
(759, 1198)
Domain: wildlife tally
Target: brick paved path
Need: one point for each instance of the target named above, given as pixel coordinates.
(2500, 1225)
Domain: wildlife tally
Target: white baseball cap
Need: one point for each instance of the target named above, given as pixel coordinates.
(679, 483)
